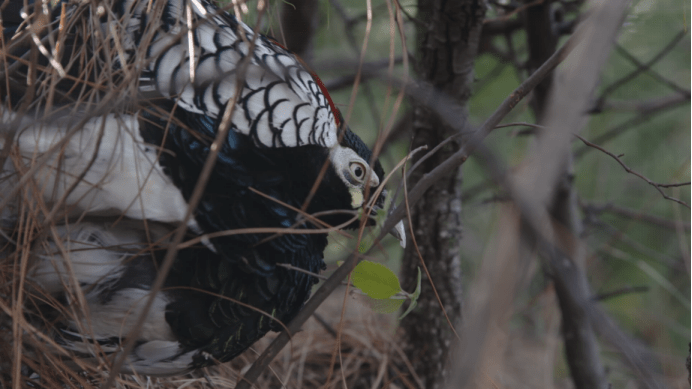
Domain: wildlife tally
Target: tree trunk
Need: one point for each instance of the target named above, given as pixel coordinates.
(581, 347)
(298, 24)
(541, 38)
(446, 53)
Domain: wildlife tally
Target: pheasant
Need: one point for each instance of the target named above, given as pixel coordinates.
(110, 112)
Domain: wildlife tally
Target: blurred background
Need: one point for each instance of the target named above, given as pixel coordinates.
(637, 243)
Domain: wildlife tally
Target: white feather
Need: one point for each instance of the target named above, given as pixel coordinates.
(96, 257)
(121, 173)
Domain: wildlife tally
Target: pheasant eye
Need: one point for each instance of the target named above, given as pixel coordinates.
(358, 170)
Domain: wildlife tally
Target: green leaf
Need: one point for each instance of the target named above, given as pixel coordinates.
(414, 297)
(375, 280)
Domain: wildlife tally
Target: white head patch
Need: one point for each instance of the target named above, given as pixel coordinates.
(353, 171)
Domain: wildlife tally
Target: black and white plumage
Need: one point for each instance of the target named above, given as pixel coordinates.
(192, 322)
(142, 160)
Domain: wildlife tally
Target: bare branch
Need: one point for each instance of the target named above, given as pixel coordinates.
(491, 76)
(642, 67)
(617, 235)
(534, 186)
(351, 38)
(621, 292)
(410, 17)
(325, 324)
(646, 106)
(628, 170)
(369, 70)
(647, 113)
(633, 214)
(445, 108)
(635, 354)
(647, 66)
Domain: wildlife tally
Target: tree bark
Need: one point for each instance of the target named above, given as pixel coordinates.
(446, 53)
(581, 347)
(541, 37)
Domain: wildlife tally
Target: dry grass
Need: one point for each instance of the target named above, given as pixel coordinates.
(369, 356)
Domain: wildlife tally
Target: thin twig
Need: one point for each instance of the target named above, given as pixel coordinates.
(621, 292)
(328, 327)
(646, 106)
(632, 214)
(411, 17)
(369, 70)
(618, 236)
(532, 125)
(646, 113)
(642, 67)
(445, 111)
(350, 37)
(628, 170)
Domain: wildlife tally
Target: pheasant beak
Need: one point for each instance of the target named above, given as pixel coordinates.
(398, 231)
